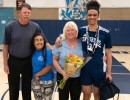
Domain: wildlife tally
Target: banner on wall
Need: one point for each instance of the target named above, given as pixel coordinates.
(75, 9)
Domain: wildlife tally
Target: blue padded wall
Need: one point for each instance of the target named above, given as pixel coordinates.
(6, 15)
(120, 30)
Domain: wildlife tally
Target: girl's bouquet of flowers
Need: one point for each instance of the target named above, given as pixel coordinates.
(72, 64)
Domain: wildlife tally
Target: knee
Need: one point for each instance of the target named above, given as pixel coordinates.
(87, 94)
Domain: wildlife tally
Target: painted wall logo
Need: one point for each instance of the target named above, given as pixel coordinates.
(75, 9)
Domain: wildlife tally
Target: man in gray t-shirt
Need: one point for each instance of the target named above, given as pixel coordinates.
(17, 45)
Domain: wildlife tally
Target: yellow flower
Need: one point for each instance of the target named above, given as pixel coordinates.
(72, 64)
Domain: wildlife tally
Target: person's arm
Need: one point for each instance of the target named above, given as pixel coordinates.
(109, 63)
(44, 71)
(59, 39)
(49, 46)
(58, 67)
(5, 58)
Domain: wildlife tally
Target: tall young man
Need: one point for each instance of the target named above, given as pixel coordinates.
(94, 39)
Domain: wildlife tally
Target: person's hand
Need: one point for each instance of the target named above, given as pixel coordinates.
(37, 78)
(108, 75)
(6, 69)
(65, 75)
(58, 42)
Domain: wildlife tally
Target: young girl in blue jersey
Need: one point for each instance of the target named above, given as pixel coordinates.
(42, 79)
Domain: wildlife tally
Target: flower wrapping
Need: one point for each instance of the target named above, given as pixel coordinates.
(72, 64)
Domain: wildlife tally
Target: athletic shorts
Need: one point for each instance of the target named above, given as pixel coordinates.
(92, 74)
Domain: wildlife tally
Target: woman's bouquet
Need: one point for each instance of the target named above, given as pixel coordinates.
(72, 64)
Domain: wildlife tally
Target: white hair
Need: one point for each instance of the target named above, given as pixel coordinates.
(71, 24)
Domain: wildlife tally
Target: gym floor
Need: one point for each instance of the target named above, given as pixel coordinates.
(120, 73)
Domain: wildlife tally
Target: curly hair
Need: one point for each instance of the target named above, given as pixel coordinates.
(93, 5)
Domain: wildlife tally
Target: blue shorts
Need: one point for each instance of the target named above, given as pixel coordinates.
(92, 74)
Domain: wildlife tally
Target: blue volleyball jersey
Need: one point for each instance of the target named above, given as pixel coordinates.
(103, 40)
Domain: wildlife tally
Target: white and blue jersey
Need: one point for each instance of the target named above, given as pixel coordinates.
(103, 40)
(38, 63)
(95, 40)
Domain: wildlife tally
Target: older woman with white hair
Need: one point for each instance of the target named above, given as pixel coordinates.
(69, 45)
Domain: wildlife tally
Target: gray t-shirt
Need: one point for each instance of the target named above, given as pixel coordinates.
(64, 50)
(19, 36)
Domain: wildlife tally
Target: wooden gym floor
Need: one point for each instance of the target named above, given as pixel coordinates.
(121, 74)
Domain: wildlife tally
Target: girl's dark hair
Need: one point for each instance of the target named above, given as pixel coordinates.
(93, 5)
(44, 47)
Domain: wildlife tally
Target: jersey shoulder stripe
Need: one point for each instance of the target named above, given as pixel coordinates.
(103, 29)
